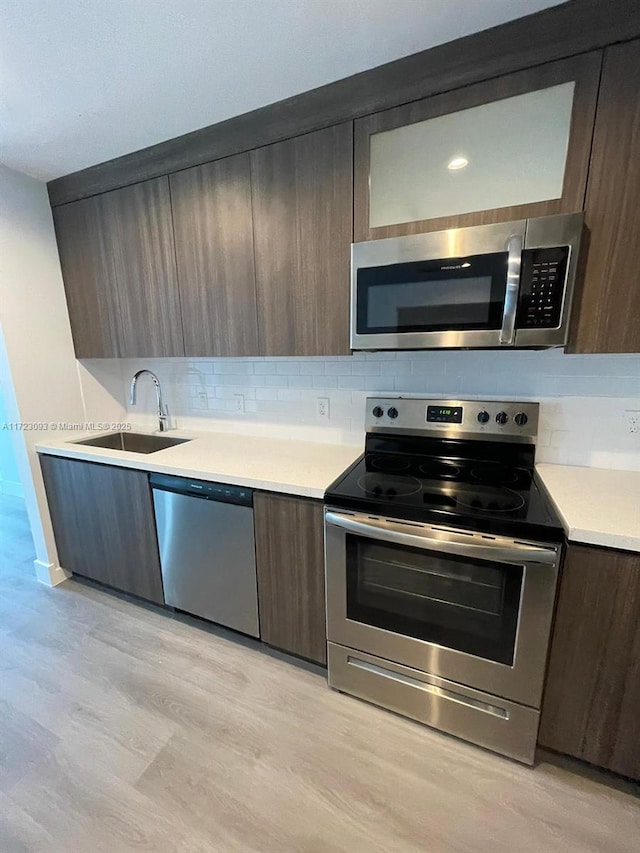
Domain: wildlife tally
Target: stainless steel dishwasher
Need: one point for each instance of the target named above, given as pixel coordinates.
(207, 550)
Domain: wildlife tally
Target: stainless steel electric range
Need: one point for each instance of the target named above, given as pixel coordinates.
(442, 557)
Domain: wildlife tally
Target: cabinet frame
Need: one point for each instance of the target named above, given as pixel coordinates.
(606, 309)
(213, 229)
(302, 231)
(104, 524)
(584, 70)
(290, 568)
(592, 694)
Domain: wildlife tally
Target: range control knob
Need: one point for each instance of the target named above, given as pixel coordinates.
(378, 411)
(483, 417)
(502, 418)
(520, 418)
(393, 412)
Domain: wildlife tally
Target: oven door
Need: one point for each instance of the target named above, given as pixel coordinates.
(444, 289)
(469, 607)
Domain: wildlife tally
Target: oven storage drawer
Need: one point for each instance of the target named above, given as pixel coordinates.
(486, 720)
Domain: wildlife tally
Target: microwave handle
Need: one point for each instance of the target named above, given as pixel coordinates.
(514, 261)
(386, 531)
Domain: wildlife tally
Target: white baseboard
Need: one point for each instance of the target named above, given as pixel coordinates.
(14, 489)
(49, 574)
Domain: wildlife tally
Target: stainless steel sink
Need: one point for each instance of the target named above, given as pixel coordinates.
(133, 442)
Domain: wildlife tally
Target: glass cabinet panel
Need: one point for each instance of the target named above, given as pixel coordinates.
(500, 154)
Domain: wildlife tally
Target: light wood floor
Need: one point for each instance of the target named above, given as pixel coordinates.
(122, 729)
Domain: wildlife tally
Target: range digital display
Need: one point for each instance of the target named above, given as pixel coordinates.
(444, 414)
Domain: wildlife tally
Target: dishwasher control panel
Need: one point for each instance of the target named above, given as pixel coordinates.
(239, 495)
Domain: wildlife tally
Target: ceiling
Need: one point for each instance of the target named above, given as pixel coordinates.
(82, 81)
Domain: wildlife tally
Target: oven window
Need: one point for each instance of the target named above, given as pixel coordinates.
(429, 296)
(457, 602)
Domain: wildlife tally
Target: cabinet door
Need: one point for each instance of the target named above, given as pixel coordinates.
(607, 312)
(592, 696)
(118, 264)
(508, 148)
(89, 275)
(104, 525)
(302, 213)
(138, 223)
(214, 250)
(290, 565)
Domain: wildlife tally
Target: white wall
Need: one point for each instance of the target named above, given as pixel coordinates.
(40, 375)
(10, 482)
(584, 398)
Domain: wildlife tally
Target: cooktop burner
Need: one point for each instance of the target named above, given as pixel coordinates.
(389, 463)
(495, 473)
(485, 499)
(388, 486)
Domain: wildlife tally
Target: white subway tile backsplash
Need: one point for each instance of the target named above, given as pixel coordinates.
(299, 381)
(232, 366)
(395, 368)
(266, 393)
(279, 381)
(340, 368)
(352, 382)
(325, 381)
(365, 368)
(583, 398)
(312, 367)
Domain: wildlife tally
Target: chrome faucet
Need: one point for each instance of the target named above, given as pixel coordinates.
(163, 412)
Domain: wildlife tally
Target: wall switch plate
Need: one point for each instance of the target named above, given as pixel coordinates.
(323, 408)
(203, 399)
(239, 403)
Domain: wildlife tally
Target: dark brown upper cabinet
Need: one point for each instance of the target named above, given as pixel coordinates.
(302, 217)
(607, 310)
(138, 222)
(88, 270)
(511, 147)
(592, 696)
(118, 263)
(214, 252)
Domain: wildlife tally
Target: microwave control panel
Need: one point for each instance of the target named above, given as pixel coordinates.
(542, 285)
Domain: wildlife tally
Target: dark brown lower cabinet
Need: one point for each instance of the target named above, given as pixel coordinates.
(591, 705)
(104, 524)
(290, 563)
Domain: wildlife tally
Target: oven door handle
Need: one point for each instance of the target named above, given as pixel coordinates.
(386, 531)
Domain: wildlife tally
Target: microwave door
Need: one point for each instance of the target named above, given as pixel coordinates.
(456, 302)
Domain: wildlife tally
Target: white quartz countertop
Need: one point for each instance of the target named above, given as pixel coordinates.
(597, 506)
(280, 465)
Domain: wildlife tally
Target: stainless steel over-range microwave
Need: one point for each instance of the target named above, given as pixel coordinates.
(503, 285)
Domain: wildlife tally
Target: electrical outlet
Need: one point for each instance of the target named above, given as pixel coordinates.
(203, 399)
(323, 408)
(239, 403)
(632, 418)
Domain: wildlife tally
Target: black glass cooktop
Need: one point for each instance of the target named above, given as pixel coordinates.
(478, 485)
